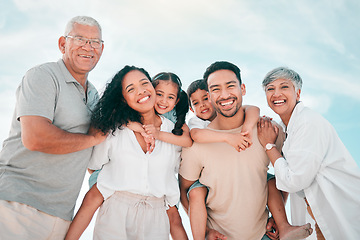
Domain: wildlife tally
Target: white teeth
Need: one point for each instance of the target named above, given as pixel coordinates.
(85, 56)
(205, 111)
(160, 106)
(226, 103)
(143, 99)
(279, 101)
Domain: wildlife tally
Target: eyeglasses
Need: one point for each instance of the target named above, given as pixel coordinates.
(81, 41)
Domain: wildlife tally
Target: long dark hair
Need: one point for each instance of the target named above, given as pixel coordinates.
(112, 111)
(182, 106)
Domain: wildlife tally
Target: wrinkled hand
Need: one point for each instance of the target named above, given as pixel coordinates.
(267, 132)
(240, 141)
(271, 225)
(212, 234)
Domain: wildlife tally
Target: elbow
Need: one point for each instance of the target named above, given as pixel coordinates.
(189, 143)
(32, 143)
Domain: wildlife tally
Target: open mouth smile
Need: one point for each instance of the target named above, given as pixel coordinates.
(141, 100)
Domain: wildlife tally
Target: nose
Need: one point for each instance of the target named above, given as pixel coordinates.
(87, 46)
(141, 90)
(224, 93)
(277, 92)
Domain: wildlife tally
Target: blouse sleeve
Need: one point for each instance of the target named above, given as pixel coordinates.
(303, 155)
(101, 154)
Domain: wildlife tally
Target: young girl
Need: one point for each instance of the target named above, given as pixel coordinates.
(169, 95)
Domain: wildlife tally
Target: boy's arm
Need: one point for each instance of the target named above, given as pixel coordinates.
(238, 140)
(184, 140)
(252, 114)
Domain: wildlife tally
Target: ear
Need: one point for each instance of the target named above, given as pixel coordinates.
(298, 95)
(61, 43)
(243, 89)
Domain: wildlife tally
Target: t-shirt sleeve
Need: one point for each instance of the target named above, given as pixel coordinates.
(37, 94)
(196, 122)
(191, 164)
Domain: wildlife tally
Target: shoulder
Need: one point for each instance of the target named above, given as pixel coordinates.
(307, 117)
(166, 124)
(196, 122)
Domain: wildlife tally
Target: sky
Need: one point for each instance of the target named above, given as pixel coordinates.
(318, 39)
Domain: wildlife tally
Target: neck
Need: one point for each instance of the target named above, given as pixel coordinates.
(81, 78)
(149, 117)
(227, 123)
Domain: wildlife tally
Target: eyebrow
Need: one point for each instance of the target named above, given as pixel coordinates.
(131, 84)
(227, 83)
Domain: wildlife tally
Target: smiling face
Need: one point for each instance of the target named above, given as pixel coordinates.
(138, 92)
(225, 92)
(201, 105)
(80, 60)
(282, 98)
(166, 96)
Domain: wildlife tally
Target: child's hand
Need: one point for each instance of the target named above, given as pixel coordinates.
(239, 141)
(148, 138)
(150, 142)
(136, 127)
(152, 130)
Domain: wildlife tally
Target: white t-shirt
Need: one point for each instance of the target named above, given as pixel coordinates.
(127, 168)
(196, 122)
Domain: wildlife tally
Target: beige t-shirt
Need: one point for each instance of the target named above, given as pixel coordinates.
(237, 184)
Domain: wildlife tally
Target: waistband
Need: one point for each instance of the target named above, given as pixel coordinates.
(136, 200)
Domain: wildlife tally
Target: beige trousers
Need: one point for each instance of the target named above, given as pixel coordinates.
(20, 221)
(130, 216)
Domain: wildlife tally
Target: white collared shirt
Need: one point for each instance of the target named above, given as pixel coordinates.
(317, 163)
(127, 168)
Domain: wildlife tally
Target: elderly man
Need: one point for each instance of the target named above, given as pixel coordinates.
(43, 161)
(237, 198)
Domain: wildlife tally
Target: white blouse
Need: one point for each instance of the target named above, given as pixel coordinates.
(317, 164)
(125, 166)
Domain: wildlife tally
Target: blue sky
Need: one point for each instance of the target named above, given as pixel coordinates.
(318, 39)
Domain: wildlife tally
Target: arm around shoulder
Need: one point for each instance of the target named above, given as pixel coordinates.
(39, 134)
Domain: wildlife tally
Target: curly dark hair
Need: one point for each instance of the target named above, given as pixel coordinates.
(182, 107)
(112, 111)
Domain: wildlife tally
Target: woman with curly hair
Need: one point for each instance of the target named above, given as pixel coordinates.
(137, 188)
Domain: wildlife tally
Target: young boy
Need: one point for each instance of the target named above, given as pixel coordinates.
(194, 203)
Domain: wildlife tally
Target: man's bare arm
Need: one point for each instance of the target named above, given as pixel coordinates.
(39, 134)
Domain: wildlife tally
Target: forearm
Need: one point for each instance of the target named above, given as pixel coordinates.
(207, 135)
(184, 140)
(251, 117)
(39, 134)
(273, 154)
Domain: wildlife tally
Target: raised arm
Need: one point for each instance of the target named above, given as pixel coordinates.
(39, 134)
(251, 118)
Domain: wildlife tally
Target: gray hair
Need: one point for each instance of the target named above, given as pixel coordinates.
(283, 73)
(83, 20)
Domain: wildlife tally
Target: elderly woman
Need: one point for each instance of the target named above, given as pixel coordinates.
(314, 163)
